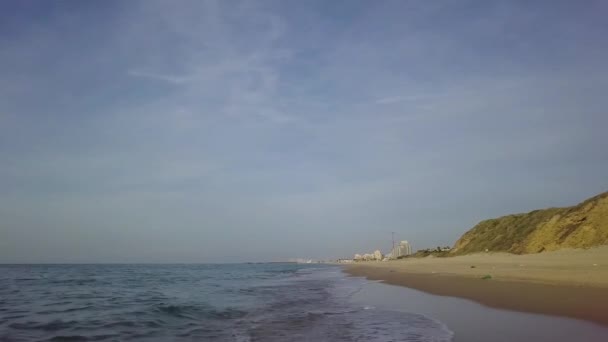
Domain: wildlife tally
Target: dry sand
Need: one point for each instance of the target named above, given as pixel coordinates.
(572, 283)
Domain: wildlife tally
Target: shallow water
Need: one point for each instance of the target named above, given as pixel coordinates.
(244, 302)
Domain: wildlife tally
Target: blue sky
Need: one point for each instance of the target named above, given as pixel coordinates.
(204, 131)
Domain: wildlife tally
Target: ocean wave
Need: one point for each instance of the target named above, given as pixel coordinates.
(134, 324)
(193, 312)
(76, 338)
(349, 325)
(82, 281)
(54, 325)
(203, 332)
(57, 303)
(228, 313)
(69, 338)
(50, 312)
(329, 313)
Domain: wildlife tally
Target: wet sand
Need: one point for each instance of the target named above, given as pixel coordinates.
(566, 283)
(473, 322)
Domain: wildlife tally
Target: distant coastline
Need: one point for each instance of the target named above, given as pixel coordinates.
(584, 225)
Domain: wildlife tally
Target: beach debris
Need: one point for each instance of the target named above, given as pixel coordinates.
(473, 266)
(594, 264)
(486, 277)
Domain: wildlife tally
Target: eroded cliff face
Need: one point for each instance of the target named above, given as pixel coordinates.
(581, 226)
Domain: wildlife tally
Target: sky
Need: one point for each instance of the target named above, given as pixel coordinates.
(228, 131)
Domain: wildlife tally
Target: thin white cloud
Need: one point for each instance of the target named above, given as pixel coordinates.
(220, 70)
(400, 98)
(391, 99)
(173, 79)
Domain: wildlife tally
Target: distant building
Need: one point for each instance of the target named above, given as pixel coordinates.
(406, 248)
(377, 255)
(403, 249)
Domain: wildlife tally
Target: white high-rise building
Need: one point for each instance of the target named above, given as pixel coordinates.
(406, 248)
(403, 249)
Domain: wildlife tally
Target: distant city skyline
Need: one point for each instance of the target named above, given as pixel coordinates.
(161, 131)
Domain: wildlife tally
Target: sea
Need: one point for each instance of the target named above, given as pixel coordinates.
(198, 302)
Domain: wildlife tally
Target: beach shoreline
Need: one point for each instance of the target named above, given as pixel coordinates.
(567, 283)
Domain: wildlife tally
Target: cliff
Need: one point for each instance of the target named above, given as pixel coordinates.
(581, 226)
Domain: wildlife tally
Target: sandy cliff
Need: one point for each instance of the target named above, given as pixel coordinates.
(580, 226)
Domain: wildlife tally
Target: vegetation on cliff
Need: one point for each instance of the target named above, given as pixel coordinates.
(580, 226)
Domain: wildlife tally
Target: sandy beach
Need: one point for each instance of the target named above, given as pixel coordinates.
(570, 283)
